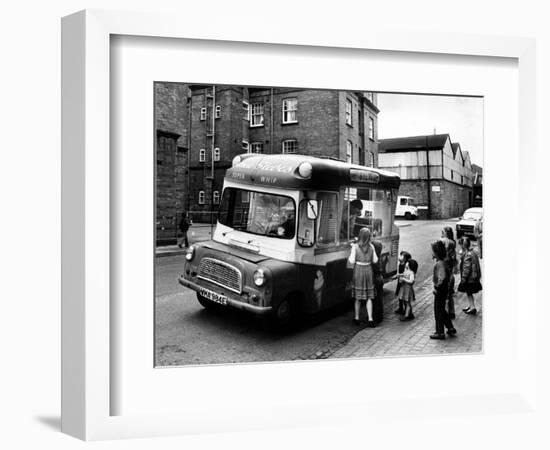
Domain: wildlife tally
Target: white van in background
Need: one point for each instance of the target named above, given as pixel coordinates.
(405, 207)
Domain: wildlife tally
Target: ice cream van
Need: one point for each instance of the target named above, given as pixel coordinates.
(284, 231)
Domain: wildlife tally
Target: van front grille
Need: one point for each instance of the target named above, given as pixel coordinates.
(220, 273)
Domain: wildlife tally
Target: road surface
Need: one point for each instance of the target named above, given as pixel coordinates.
(188, 334)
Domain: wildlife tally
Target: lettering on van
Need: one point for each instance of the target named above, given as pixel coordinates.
(268, 180)
(284, 168)
(364, 176)
(237, 175)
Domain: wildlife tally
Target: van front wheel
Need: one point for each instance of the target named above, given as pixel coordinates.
(408, 215)
(286, 313)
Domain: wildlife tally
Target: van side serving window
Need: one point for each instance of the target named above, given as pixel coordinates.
(327, 222)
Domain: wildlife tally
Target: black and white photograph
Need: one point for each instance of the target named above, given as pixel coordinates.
(302, 224)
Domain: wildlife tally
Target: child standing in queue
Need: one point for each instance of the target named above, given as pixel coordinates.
(441, 276)
(362, 257)
(404, 258)
(447, 237)
(406, 293)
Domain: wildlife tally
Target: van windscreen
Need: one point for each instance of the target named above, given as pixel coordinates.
(258, 213)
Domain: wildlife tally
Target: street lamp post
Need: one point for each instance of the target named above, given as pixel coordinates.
(428, 179)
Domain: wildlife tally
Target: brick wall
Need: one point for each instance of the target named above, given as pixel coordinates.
(166, 192)
(230, 129)
(171, 109)
(451, 200)
(316, 130)
(171, 117)
(371, 145)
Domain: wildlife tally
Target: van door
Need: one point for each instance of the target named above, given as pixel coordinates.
(330, 255)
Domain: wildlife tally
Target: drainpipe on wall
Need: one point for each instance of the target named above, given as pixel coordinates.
(271, 125)
(428, 180)
(188, 195)
(213, 147)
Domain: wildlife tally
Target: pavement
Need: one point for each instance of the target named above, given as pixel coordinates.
(396, 338)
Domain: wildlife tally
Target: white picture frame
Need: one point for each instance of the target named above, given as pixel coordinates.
(88, 317)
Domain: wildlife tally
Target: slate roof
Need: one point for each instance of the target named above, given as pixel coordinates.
(413, 143)
(477, 169)
(455, 146)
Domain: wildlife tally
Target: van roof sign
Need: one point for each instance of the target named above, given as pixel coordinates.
(364, 176)
(306, 172)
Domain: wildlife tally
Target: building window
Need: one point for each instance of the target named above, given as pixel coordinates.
(349, 119)
(217, 154)
(245, 145)
(371, 128)
(201, 197)
(369, 157)
(202, 155)
(257, 115)
(290, 146)
(246, 110)
(349, 149)
(218, 111)
(256, 147)
(203, 113)
(290, 107)
(216, 198)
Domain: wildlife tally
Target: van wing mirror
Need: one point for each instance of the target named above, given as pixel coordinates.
(312, 209)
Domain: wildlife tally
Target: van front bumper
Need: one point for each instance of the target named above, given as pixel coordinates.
(232, 301)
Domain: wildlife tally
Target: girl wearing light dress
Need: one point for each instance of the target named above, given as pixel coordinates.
(362, 257)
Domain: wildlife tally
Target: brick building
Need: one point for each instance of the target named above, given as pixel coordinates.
(226, 121)
(201, 128)
(172, 119)
(436, 172)
(478, 185)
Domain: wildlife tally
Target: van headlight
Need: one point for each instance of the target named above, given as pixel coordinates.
(190, 253)
(259, 277)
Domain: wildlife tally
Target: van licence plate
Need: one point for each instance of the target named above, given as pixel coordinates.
(221, 299)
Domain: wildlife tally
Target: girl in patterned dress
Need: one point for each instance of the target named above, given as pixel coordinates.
(362, 257)
(406, 292)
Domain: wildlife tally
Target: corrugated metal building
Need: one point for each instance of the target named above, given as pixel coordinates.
(436, 172)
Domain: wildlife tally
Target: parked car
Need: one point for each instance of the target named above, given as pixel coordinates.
(470, 224)
(406, 208)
